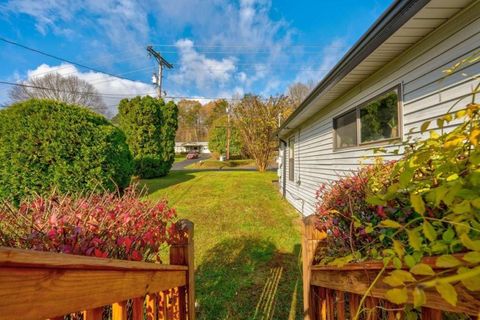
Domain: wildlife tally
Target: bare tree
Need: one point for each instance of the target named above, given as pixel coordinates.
(298, 91)
(69, 89)
(258, 123)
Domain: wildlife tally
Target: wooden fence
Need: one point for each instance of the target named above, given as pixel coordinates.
(334, 293)
(44, 285)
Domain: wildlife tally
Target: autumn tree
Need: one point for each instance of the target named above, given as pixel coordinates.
(69, 89)
(298, 91)
(189, 123)
(258, 122)
(212, 111)
(217, 138)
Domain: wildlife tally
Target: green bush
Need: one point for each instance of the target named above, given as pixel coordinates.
(150, 125)
(46, 145)
(217, 138)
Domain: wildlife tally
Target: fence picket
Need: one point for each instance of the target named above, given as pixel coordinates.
(119, 310)
(340, 295)
(93, 314)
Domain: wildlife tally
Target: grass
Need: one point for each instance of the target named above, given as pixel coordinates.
(217, 164)
(247, 242)
(179, 158)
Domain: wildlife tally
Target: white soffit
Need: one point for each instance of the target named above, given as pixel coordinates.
(430, 17)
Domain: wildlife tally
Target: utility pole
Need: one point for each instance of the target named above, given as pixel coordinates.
(228, 133)
(157, 78)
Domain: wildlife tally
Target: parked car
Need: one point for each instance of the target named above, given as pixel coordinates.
(192, 155)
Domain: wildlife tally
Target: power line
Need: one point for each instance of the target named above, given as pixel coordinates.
(118, 95)
(72, 91)
(62, 59)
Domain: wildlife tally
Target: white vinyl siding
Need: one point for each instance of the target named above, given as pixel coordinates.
(426, 94)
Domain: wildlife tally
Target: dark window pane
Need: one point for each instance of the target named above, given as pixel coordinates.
(379, 119)
(346, 130)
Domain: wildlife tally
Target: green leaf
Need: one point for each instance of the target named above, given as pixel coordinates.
(462, 207)
(390, 224)
(422, 269)
(452, 177)
(476, 203)
(417, 203)
(397, 263)
(393, 281)
(448, 293)
(448, 235)
(469, 243)
(440, 123)
(369, 229)
(414, 239)
(472, 257)
(424, 126)
(375, 200)
(398, 248)
(447, 261)
(409, 260)
(397, 295)
(405, 276)
(340, 262)
(472, 283)
(429, 231)
(419, 297)
(405, 177)
(439, 194)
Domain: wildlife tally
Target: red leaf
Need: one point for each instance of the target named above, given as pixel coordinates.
(136, 255)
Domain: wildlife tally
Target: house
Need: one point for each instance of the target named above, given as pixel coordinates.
(185, 147)
(389, 83)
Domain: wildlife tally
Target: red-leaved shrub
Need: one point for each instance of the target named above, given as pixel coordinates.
(108, 225)
(343, 202)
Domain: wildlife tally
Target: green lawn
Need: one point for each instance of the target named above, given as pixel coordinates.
(179, 158)
(217, 164)
(247, 243)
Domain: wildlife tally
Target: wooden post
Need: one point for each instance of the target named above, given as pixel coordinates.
(93, 314)
(431, 314)
(310, 239)
(138, 308)
(119, 311)
(340, 295)
(182, 254)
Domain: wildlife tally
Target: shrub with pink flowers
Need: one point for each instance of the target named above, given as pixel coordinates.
(108, 225)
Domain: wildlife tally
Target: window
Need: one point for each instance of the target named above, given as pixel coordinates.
(291, 159)
(376, 120)
(346, 129)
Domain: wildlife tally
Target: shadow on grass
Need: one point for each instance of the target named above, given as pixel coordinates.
(173, 178)
(247, 278)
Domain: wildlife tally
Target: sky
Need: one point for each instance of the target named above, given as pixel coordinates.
(219, 48)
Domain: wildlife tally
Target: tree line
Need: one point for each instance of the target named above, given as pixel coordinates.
(152, 126)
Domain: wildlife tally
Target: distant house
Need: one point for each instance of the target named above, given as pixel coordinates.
(185, 147)
(388, 84)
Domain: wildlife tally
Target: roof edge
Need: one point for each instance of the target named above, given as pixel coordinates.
(396, 15)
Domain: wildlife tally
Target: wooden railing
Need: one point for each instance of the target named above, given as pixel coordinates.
(44, 285)
(335, 293)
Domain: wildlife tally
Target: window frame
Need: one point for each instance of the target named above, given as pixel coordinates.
(291, 158)
(358, 123)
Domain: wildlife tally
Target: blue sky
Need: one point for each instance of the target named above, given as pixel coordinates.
(219, 48)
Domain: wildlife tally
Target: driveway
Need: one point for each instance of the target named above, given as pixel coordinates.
(182, 164)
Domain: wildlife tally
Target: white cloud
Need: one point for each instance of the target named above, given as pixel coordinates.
(331, 54)
(202, 71)
(121, 23)
(112, 89)
(110, 30)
